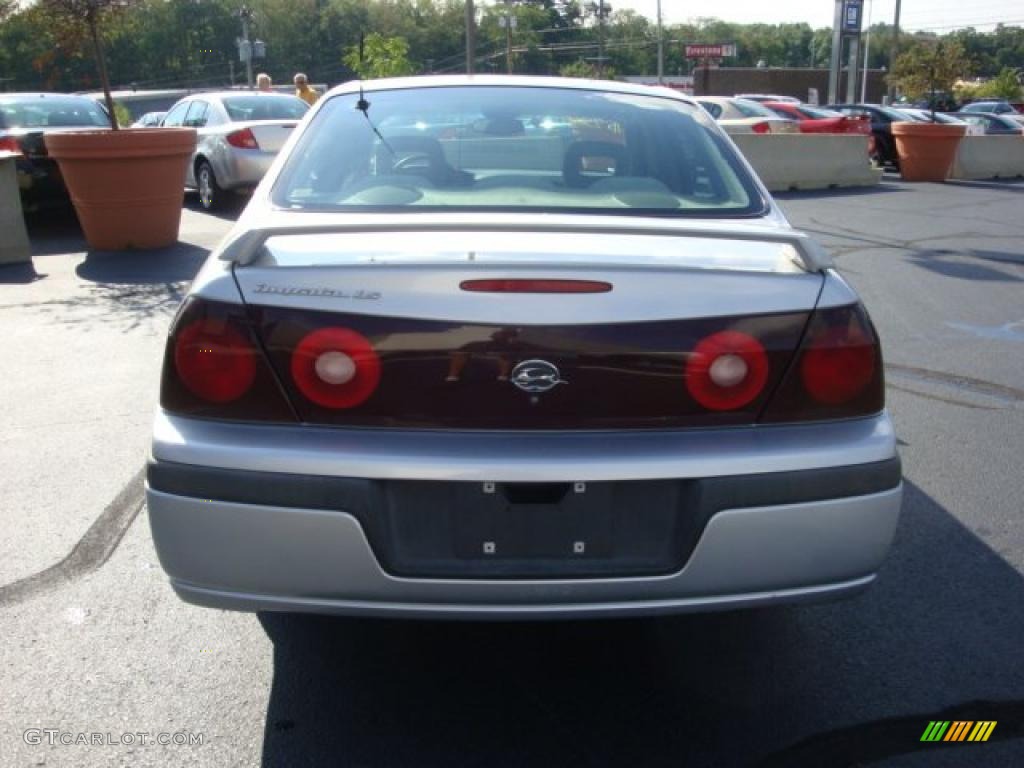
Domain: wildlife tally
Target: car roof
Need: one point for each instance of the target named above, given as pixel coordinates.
(41, 95)
(509, 81)
(227, 94)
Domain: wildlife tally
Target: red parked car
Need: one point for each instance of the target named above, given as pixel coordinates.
(818, 120)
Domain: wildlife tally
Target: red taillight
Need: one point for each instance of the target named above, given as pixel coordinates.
(242, 139)
(520, 285)
(9, 144)
(214, 360)
(837, 364)
(726, 370)
(761, 128)
(837, 373)
(335, 368)
(214, 367)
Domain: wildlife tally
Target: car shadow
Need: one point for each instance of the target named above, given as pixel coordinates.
(803, 194)
(230, 209)
(937, 631)
(54, 231)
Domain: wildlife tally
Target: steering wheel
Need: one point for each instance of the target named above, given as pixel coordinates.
(417, 162)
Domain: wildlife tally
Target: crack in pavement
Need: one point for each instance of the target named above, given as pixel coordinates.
(92, 550)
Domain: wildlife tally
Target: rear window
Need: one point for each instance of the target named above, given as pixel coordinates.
(522, 148)
(56, 112)
(264, 107)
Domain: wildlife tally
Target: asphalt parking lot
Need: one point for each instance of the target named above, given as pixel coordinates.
(96, 642)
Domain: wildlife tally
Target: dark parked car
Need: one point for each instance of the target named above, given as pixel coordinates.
(994, 125)
(25, 118)
(994, 106)
(883, 149)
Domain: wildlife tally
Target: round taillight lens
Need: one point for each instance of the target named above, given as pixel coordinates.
(838, 365)
(336, 368)
(726, 370)
(215, 360)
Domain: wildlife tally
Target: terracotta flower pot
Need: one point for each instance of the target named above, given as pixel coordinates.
(926, 150)
(127, 185)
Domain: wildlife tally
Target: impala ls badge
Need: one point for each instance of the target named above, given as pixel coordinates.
(536, 376)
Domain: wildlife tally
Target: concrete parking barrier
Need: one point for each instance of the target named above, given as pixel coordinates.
(809, 160)
(989, 157)
(14, 246)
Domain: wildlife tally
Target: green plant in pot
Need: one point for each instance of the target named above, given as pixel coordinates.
(126, 184)
(926, 68)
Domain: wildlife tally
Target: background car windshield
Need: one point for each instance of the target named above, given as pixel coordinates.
(52, 112)
(752, 108)
(241, 108)
(816, 113)
(514, 149)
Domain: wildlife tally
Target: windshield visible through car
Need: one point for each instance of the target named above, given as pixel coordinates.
(752, 108)
(52, 112)
(816, 113)
(264, 107)
(522, 148)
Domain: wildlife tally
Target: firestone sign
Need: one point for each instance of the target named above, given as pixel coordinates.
(710, 50)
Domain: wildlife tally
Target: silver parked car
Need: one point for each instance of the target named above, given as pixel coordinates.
(240, 133)
(448, 366)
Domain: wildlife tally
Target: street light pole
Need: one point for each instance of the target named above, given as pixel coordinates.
(600, 39)
(867, 50)
(894, 49)
(661, 49)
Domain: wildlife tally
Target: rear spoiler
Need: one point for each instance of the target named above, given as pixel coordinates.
(245, 244)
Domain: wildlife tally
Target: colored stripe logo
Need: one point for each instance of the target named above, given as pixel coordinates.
(958, 730)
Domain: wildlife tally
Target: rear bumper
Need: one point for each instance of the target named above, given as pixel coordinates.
(243, 168)
(253, 540)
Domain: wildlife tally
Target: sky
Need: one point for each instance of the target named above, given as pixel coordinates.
(940, 16)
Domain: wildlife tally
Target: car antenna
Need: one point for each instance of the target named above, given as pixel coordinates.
(364, 106)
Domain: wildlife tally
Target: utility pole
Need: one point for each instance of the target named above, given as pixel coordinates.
(508, 36)
(661, 49)
(470, 36)
(600, 40)
(894, 49)
(246, 16)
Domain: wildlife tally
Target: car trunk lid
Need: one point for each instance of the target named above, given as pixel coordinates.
(444, 356)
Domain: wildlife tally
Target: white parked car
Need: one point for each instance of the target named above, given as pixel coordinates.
(763, 97)
(240, 133)
(743, 116)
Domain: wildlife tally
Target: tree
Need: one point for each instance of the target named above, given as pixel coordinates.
(929, 69)
(379, 56)
(92, 13)
(1002, 86)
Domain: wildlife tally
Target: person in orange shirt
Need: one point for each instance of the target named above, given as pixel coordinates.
(303, 91)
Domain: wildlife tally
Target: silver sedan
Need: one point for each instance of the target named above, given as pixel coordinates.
(240, 134)
(518, 347)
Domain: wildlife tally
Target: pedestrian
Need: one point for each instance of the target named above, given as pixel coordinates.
(303, 91)
(263, 82)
